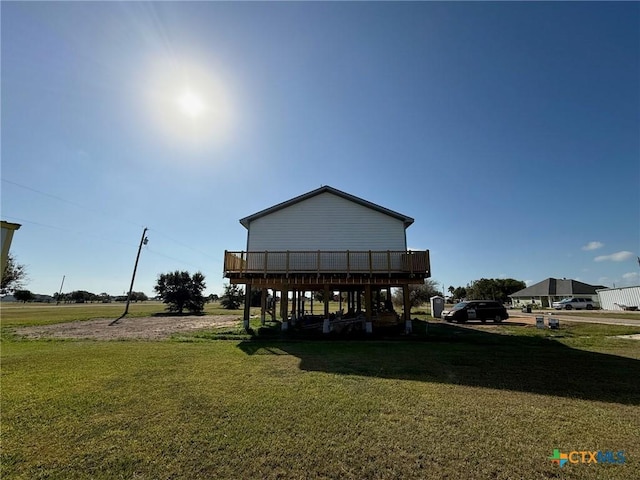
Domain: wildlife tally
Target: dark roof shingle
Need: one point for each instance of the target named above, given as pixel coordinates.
(557, 287)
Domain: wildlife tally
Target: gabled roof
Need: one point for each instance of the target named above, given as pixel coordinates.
(557, 287)
(326, 189)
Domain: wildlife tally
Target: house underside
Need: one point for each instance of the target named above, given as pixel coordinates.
(362, 279)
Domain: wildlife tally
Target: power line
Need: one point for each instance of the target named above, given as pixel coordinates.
(171, 258)
(104, 213)
(33, 223)
(63, 200)
(183, 244)
(67, 230)
(82, 234)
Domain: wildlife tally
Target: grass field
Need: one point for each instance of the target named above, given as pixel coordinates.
(16, 314)
(460, 402)
(593, 313)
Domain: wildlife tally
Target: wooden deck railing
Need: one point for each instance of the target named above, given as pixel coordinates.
(324, 262)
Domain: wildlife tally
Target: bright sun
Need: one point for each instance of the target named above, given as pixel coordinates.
(190, 104)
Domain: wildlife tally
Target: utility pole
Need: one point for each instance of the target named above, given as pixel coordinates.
(60, 292)
(143, 241)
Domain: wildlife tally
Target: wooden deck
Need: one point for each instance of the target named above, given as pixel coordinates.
(318, 267)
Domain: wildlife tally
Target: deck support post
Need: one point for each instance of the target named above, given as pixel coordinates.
(368, 303)
(274, 305)
(294, 306)
(247, 306)
(408, 326)
(368, 326)
(263, 306)
(326, 323)
(406, 302)
(284, 307)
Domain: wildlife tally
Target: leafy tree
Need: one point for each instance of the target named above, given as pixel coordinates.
(14, 276)
(256, 297)
(81, 296)
(232, 298)
(459, 293)
(138, 297)
(24, 296)
(104, 297)
(418, 294)
(213, 298)
(319, 296)
(60, 297)
(509, 286)
(494, 288)
(180, 290)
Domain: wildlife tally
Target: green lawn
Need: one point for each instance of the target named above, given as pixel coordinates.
(467, 403)
(19, 314)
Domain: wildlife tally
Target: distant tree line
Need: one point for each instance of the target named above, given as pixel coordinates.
(487, 289)
(77, 296)
(83, 296)
(23, 296)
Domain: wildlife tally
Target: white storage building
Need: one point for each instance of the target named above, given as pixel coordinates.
(623, 298)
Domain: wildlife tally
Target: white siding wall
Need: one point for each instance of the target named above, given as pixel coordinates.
(326, 222)
(629, 296)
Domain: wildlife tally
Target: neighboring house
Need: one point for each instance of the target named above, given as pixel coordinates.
(7, 235)
(327, 240)
(625, 298)
(544, 293)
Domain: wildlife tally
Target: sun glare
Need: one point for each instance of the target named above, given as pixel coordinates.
(190, 104)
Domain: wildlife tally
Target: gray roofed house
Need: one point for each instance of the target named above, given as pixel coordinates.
(546, 292)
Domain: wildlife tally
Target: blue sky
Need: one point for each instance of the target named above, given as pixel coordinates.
(509, 131)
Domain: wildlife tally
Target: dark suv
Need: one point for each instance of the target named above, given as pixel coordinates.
(482, 310)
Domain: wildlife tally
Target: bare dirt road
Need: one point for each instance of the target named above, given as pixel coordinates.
(148, 328)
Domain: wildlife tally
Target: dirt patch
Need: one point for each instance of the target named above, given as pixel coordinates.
(148, 328)
(635, 336)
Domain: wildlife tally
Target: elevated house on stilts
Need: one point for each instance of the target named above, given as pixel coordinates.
(327, 241)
